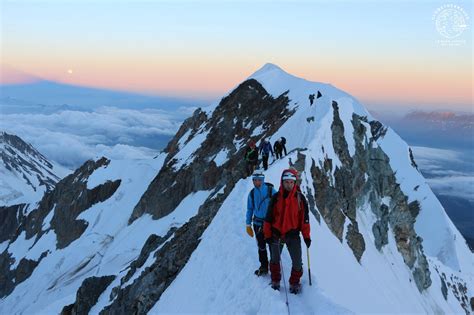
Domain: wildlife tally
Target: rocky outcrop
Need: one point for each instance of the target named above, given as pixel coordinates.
(88, 295)
(11, 278)
(68, 199)
(7, 277)
(151, 244)
(337, 194)
(412, 159)
(10, 219)
(367, 178)
(458, 288)
(230, 127)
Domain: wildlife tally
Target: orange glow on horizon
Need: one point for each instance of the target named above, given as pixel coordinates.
(213, 77)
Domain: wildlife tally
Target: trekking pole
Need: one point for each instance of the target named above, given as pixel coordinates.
(283, 276)
(309, 269)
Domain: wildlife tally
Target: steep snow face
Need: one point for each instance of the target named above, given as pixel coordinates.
(25, 174)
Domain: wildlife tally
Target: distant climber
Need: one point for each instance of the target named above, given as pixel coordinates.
(265, 149)
(283, 144)
(279, 147)
(251, 157)
(311, 99)
(287, 216)
(257, 206)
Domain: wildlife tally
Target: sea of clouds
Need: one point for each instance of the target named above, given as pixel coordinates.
(70, 137)
(448, 172)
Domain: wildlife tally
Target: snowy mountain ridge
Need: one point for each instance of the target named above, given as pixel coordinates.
(143, 236)
(25, 173)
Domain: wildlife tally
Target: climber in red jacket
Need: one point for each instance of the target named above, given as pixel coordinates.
(287, 216)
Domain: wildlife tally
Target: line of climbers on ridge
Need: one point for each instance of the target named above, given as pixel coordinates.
(252, 153)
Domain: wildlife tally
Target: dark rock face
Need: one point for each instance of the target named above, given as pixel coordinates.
(367, 178)
(380, 227)
(151, 244)
(412, 159)
(444, 288)
(233, 121)
(11, 278)
(25, 268)
(377, 129)
(300, 165)
(458, 288)
(10, 219)
(337, 195)
(68, 199)
(6, 275)
(74, 199)
(87, 295)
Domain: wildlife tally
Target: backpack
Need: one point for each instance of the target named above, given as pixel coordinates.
(269, 193)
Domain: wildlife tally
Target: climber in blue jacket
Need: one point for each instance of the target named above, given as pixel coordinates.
(257, 205)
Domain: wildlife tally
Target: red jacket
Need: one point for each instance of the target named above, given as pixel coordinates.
(287, 213)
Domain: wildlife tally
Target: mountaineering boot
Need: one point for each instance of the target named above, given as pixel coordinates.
(275, 285)
(295, 288)
(276, 275)
(262, 271)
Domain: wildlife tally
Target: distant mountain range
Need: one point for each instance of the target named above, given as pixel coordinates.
(438, 129)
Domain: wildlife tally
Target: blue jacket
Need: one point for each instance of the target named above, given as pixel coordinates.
(258, 205)
(265, 148)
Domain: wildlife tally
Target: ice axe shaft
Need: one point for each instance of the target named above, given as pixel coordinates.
(309, 268)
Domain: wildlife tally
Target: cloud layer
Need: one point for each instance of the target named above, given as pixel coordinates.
(448, 172)
(71, 137)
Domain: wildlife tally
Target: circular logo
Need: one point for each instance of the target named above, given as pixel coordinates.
(450, 21)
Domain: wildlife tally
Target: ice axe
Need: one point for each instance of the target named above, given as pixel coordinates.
(309, 269)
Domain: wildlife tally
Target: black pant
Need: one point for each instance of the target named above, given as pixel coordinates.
(262, 246)
(251, 166)
(278, 154)
(293, 243)
(265, 162)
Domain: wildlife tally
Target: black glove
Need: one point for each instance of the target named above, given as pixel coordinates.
(307, 242)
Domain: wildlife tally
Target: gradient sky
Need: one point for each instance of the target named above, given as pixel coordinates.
(382, 52)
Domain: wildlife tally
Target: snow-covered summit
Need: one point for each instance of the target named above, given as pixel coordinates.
(147, 235)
